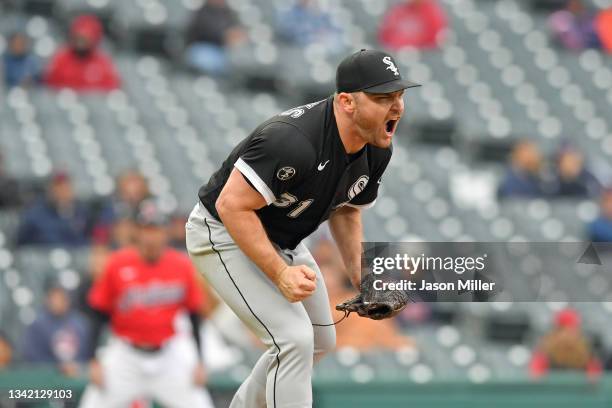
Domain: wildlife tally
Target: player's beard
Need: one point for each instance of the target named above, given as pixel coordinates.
(371, 131)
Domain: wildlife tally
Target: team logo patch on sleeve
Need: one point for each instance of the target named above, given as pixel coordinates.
(299, 110)
(358, 186)
(285, 173)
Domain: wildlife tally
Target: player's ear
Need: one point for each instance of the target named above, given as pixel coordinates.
(347, 101)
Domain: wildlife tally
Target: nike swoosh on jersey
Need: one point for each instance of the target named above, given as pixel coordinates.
(321, 166)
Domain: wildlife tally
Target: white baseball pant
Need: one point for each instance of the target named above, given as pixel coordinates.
(165, 376)
(282, 376)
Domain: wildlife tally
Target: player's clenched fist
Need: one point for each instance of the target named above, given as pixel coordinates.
(296, 283)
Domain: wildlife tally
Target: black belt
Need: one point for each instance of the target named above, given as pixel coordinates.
(146, 348)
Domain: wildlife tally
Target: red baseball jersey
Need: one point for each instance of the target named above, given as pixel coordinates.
(143, 298)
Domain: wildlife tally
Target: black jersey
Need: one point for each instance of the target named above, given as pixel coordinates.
(297, 162)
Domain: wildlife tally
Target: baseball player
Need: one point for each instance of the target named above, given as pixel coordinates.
(320, 161)
(141, 291)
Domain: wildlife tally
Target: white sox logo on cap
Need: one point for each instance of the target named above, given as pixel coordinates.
(390, 65)
(362, 71)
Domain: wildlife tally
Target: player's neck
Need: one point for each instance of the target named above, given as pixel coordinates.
(149, 257)
(349, 135)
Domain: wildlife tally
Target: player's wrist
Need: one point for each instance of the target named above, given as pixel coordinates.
(354, 275)
(278, 271)
(356, 281)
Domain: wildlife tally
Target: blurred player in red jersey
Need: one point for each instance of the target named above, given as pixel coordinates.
(141, 291)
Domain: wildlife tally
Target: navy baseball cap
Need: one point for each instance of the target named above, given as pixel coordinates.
(370, 71)
(149, 214)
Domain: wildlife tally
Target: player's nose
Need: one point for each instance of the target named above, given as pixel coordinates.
(398, 106)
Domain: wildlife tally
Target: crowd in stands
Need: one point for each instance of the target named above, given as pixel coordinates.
(214, 31)
(59, 218)
(80, 64)
(577, 27)
(566, 175)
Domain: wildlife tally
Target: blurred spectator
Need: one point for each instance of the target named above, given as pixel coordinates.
(573, 27)
(20, 66)
(305, 23)
(58, 335)
(132, 189)
(413, 23)
(600, 230)
(10, 194)
(58, 219)
(572, 178)
(81, 64)
(115, 218)
(603, 25)
(212, 31)
(381, 334)
(6, 351)
(523, 177)
(176, 231)
(565, 347)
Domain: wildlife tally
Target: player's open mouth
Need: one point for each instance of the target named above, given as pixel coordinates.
(390, 126)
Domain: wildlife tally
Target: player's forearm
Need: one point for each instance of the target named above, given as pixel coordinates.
(247, 231)
(194, 319)
(346, 228)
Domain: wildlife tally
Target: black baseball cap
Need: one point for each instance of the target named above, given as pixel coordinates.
(370, 71)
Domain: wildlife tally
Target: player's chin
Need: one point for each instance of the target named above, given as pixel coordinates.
(384, 140)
